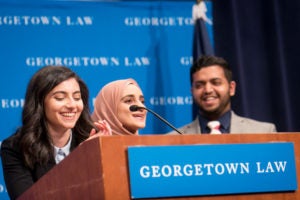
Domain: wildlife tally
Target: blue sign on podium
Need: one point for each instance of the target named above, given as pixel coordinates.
(211, 169)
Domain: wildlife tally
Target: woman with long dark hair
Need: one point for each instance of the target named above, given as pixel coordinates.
(55, 120)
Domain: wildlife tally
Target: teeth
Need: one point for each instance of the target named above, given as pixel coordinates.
(209, 98)
(68, 114)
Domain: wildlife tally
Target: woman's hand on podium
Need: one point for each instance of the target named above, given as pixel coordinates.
(103, 127)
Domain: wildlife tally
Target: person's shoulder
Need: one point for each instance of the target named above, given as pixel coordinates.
(192, 127)
(10, 142)
(253, 124)
(7, 141)
(249, 120)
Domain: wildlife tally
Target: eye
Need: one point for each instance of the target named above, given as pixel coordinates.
(217, 82)
(128, 100)
(59, 98)
(77, 97)
(199, 85)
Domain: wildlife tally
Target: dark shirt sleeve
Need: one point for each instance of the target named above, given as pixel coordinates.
(18, 178)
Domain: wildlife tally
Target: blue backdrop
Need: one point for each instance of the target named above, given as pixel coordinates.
(102, 41)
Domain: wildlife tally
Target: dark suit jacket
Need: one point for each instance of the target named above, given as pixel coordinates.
(238, 124)
(18, 178)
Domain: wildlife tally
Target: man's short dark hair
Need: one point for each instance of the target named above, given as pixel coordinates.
(206, 61)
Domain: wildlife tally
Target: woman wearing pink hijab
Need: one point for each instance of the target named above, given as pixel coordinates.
(112, 106)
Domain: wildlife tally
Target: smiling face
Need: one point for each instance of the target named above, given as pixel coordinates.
(212, 91)
(132, 121)
(63, 106)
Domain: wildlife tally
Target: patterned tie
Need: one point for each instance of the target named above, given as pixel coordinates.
(60, 155)
(214, 127)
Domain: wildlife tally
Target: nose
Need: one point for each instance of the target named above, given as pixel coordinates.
(71, 103)
(208, 88)
(141, 104)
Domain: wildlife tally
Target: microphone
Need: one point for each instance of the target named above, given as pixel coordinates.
(134, 108)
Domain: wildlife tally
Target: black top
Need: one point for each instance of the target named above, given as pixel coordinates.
(18, 178)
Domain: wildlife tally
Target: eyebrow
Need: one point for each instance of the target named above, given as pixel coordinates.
(63, 92)
(212, 79)
(131, 95)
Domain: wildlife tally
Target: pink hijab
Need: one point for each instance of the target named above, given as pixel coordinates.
(105, 105)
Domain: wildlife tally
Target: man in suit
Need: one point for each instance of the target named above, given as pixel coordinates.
(212, 87)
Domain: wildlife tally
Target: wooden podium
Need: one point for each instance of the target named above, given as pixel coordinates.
(98, 168)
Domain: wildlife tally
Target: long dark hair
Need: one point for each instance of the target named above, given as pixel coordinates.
(32, 137)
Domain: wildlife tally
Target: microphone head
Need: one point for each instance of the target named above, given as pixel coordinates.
(133, 108)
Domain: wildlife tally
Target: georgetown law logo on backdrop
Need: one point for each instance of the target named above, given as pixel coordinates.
(29, 20)
(102, 41)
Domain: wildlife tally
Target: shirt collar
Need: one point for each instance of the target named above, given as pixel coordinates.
(66, 148)
(224, 120)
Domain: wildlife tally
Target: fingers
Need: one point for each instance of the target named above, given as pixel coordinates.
(107, 128)
(93, 132)
(104, 127)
